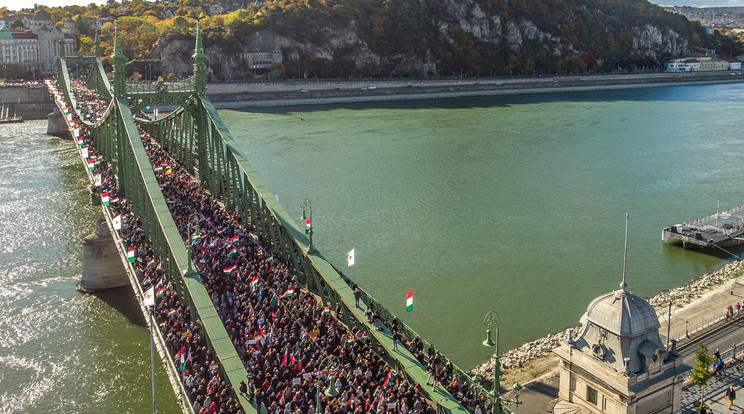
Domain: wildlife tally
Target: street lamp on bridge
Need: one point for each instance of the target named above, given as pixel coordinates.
(193, 221)
(329, 363)
(308, 221)
(499, 404)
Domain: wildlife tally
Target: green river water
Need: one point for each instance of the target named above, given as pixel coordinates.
(514, 204)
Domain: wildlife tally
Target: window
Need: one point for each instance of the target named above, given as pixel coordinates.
(591, 395)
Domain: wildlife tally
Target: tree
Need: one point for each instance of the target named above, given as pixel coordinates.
(17, 24)
(701, 372)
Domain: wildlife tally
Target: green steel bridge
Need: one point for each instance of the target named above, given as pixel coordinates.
(197, 138)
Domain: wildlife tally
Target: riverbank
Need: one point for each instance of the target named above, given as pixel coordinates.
(690, 302)
(292, 93)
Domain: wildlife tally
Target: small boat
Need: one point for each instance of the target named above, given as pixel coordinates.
(6, 119)
(723, 229)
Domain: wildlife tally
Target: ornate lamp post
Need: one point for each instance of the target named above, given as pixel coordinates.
(329, 363)
(193, 221)
(499, 404)
(308, 221)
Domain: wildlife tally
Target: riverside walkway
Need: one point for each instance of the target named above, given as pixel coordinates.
(250, 317)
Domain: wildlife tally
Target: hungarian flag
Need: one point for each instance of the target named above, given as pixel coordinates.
(105, 198)
(233, 252)
(151, 262)
(350, 258)
(230, 269)
(289, 292)
(158, 169)
(130, 255)
(195, 181)
(409, 301)
(160, 292)
(326, 310)
(233, 239)
(172, 312)
(147, 281)
(387, 380)
(308, 224)
(286, 356)
(254, 282)
(115, 200)
(194, 238)
(91, 165)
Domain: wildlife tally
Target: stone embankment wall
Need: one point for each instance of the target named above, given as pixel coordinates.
(681, 296)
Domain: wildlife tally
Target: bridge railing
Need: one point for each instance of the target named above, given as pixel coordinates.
(185, 85)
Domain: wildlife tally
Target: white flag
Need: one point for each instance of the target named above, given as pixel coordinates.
(350, 258)
(150, 297)
(97, 180)
(117, 222)
(85, 152)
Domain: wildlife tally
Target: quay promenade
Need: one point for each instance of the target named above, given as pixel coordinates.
(290, 93)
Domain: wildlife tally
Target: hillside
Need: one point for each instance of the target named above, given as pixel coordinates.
(402, 38)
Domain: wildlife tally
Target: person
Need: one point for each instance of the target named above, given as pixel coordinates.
(717, 354)
(719, 366)
(396, 339)
(243, 388)
(357, 295)
(731, 395)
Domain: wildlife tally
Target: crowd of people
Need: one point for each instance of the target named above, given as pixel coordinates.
(291, 345)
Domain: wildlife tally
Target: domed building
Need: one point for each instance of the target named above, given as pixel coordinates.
(618, 363)
(36, 49)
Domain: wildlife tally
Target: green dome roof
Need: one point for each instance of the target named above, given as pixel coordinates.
(5, 33)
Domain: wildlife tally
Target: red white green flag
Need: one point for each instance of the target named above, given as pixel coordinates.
(234, 239)
(91, 165)
(130, 255)
(387, 380)
(290, 292)
(308, 224)
(160, 292)
(254, 282)
(409, 301)
(230, 269)
(105, 198)
(327, 310)
(158, 169)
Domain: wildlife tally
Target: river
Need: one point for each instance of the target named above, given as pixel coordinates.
(514, 204)
(61, 351)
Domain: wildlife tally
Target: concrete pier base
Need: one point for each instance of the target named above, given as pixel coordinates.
(102, 265)
(56, 124)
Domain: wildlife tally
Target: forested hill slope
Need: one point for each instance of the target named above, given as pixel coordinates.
(392, 38)
(458, 37)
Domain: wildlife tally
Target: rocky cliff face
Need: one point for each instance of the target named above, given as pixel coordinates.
(489, 30)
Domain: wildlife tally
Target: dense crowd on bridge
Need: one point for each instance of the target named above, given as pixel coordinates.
(289, 341)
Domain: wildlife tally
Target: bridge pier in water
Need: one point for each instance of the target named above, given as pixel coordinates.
(102, 266)
(56, 124)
